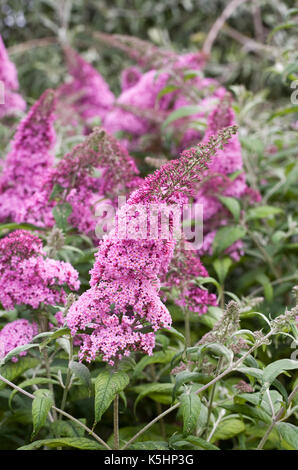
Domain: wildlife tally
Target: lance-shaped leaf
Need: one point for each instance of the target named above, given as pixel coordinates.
(107, 385)
(77, 442)
(190, 408)
(41, 406)
(82, 372)
(273, 370)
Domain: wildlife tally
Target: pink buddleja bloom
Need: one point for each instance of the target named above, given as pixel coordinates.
(15, 334)
(130, 77)
(13, 102)
(87, 95)
(183, 269)
(28, 277)
(123, 301)
(99, 168)
(139, 110)
(29, 159)
(217, 181)
(130, 113)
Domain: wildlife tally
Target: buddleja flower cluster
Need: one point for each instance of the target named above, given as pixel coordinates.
(13, 102)
(123, 301)
(29, 159)
(28, 277)
(122, 309)
(15, 334)
(98, 169)
(160, 84)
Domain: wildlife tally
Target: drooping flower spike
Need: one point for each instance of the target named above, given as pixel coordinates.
(12, 103)
(99, 168)
(123, 301)
(87, 95)
(29, 159)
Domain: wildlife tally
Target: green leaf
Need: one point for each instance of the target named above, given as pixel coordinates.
(260, 400)
(160, 357)
(201, 443)
(228, 429)
(284, 112)
(219, 350)
(61, 212)
(30, 382)
(263, 212)
(22, 226)
(68, 428)
(107, 385)
(247, 410)
(82, 372)
(54, 335)
(166, 90)
(190, 405)
(149, 445)
(222, 267)
(14, 369)
(232, 204)
(289, 433)
(226, 236)
(151, 389)
(274, 369)
(264, 280)
(182, 112)
(176, 333)
(184, 377)
(77, 442)
(57, 189)
(14, 352)
(41, 406)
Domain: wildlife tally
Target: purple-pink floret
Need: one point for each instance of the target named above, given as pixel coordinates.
(13, 102)
(28, 277)
(29, 159)
(87, 93)
(15, 334)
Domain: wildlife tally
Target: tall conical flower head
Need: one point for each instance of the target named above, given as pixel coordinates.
(13, 102)
(217, 181)
(28, 277)
(8, 71)
(147, 55)
(87, 94)
(98, 168)
(123, 301)
(29, 158)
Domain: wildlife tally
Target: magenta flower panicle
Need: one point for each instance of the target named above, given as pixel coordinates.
(99, 168)
(13, 102)
(123, 301)
(15, 334)
(87, 94)
(29, 159)
(28, 277)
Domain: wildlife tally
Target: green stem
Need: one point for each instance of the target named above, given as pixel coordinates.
(275, 420)
(212, 397)
(95, 436)
(68, 376)
(187, 327)
(44, 327)
(116, 422)
(266, 256)
(232, 368)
